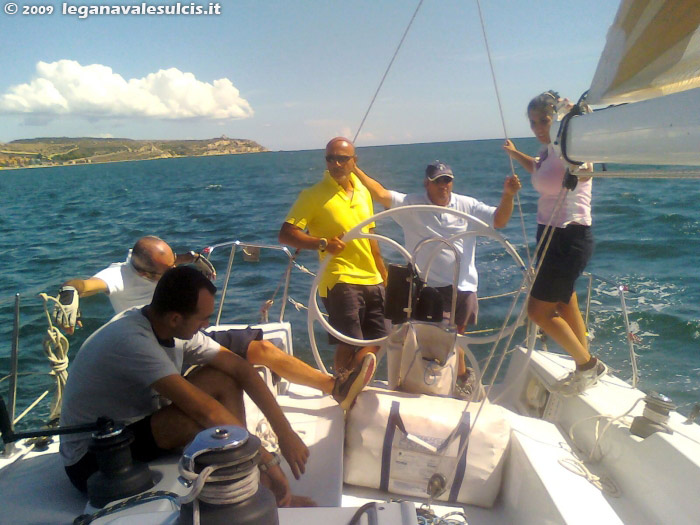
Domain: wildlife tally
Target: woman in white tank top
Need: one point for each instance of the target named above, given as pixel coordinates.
(553, 304)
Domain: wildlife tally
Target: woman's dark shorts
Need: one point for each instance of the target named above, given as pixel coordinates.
(563, 263)
(356, 310)
(143, 449)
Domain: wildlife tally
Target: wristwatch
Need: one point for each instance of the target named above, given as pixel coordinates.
(322, 244)
(264, 467)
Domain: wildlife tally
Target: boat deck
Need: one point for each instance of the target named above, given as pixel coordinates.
(656, 477)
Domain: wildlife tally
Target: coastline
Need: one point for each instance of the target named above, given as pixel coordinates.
(71, 165)
(48, 152)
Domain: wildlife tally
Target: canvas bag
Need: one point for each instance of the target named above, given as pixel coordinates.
(386, 436)
(422, 358)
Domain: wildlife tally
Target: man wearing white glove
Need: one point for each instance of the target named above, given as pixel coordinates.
(132, 283)
(129, 283)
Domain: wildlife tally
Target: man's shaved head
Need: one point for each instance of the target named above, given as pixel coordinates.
(339, 141)
(152, 254)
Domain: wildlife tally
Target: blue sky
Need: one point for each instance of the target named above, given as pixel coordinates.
(292, 74)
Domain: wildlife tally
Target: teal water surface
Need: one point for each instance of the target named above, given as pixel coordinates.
(65, 222)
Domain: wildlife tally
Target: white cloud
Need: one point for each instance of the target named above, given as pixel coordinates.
(95, 91)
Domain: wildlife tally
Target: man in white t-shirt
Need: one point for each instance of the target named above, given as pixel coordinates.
(129, 283)
(420, 226)
(129, 371)
(132, 283)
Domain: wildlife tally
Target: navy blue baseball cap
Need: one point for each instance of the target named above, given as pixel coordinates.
(438, 169)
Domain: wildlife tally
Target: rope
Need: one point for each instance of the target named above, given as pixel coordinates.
(505, 131)
(56, 349)
(369, 108)
(644, 174)
(241, 486)
(301, 306)
(264, 309)
(577, 466)
(604, 484)
(268, 304)
(85, 519)
(426, 516)
(492, 352)
(599, 436)
(304, 269)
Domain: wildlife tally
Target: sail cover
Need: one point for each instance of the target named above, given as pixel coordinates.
(652, 49)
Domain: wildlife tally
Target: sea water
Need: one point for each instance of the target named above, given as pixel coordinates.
(64, 222)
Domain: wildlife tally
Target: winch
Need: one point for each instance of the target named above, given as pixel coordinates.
(221, 466)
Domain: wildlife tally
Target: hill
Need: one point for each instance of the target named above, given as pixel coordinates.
(59, 151)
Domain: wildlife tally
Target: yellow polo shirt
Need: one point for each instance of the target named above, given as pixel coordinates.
(325, 210)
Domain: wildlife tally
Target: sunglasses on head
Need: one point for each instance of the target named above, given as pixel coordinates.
(442, 180)
(342, 159)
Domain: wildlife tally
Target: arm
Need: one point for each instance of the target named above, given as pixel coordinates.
(207, 412)
(378, 192)
(297, 238)
(88, 287)
(525, 161)
(501, 216)
(67, 314)
(586, 167)
(199, 261)
(378, 259)
(196, 404)
(293, 448)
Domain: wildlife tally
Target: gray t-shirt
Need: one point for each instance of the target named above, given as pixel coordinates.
(113, 372)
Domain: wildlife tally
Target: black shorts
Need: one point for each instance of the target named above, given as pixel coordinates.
(143, 449)
(569, 251)
(237, 339)
(467, 308)
(356, 310)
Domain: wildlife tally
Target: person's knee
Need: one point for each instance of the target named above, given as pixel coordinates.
(262, 353)
(209, 378)
(535, 312)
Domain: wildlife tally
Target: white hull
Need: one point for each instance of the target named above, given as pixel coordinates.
(657, 477)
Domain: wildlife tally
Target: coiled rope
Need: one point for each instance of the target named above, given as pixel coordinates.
(241, 487)
(56, 349)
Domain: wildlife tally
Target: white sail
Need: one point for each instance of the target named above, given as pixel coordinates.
(650, 67)
(652, 49)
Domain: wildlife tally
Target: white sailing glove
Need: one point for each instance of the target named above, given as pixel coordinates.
(67, 314)
(204, 265)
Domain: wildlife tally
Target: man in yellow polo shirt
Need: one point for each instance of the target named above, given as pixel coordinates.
(351, 287)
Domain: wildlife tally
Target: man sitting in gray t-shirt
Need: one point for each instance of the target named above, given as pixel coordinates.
(129, 371)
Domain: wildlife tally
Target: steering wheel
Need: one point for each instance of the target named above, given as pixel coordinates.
(482, 229)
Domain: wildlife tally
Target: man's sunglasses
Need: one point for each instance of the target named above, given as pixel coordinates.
(147, 272)
(442, 180)
(341, 159)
